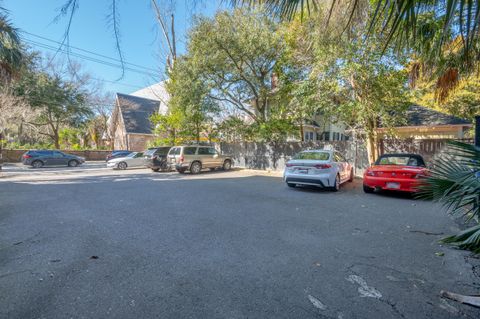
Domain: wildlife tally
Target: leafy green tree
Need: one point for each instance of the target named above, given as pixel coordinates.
(59, 103)
(350, 81)
(463, 102)
(369, 90)
(443, 35)
(235, 55)
(167, 127)
(189, 96)
(234, 129)
(69, 138)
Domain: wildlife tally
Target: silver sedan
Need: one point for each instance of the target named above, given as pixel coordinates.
(134, 159)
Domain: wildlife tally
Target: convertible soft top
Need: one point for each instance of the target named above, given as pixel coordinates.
(419, 158)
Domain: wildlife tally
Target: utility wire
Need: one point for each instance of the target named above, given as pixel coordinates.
(92, 59)
(119, 83)
(90, 52)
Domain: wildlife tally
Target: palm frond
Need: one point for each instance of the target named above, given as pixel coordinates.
(10, 47)
(468, 239)
(454, 181)
(285, 9)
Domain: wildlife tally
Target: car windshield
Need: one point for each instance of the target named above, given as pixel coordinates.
(163, 150)
(320, 156)
(150, 151)
(403, 160)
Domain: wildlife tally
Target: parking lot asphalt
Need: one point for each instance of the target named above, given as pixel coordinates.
(89, 242)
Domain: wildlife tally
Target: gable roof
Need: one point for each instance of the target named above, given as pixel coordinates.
(156, 91)
(136, 112)
(417, 115)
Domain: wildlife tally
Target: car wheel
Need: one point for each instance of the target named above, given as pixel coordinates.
(291, 185)
(122, 165)
(352, 176)
(336, 186)
(165, 168)
(227, 165)
(367, 189)
(73, 163)
(37, 164)
(155, 169)
(196, 168)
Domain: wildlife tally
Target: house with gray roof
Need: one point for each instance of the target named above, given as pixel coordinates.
(426, 123)
(419, 123)
(130, 127)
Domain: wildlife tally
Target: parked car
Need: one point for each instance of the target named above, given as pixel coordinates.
(39, 158)
(156, 158)
(194, 158)
(117, 154)
(134, 159)
(398, 172)
(321, 168)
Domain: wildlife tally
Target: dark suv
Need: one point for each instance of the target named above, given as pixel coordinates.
(39, 158)
(156, 158)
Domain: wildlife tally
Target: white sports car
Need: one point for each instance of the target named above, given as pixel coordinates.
(134, 159)
(322, 168)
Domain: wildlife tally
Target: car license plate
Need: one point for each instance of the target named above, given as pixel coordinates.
(393, 185)
(302, 171)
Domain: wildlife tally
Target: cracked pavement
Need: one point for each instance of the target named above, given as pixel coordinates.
(95, 243)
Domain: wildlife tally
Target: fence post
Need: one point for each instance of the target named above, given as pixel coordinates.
(477, 131)
(1, 150)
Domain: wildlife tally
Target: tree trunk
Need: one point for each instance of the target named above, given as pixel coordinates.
(372, 140)
(56, 137)
(370, 148)
(56, 140)
(301, 133)
(197, 128)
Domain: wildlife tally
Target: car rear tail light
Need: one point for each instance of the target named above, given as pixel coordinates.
(27, 156)
(181, 159)
(322, 166)
(289, 165)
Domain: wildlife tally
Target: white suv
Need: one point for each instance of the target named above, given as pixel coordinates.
(194, 158)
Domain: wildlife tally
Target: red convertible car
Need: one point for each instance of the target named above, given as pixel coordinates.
(398, 172)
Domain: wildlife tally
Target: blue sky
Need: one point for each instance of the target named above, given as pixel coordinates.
(90, 30)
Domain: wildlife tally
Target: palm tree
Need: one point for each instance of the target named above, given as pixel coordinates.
(443, 34)
(454, 181)
(11, 53)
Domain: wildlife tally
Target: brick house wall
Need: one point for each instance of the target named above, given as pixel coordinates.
(138, 142)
